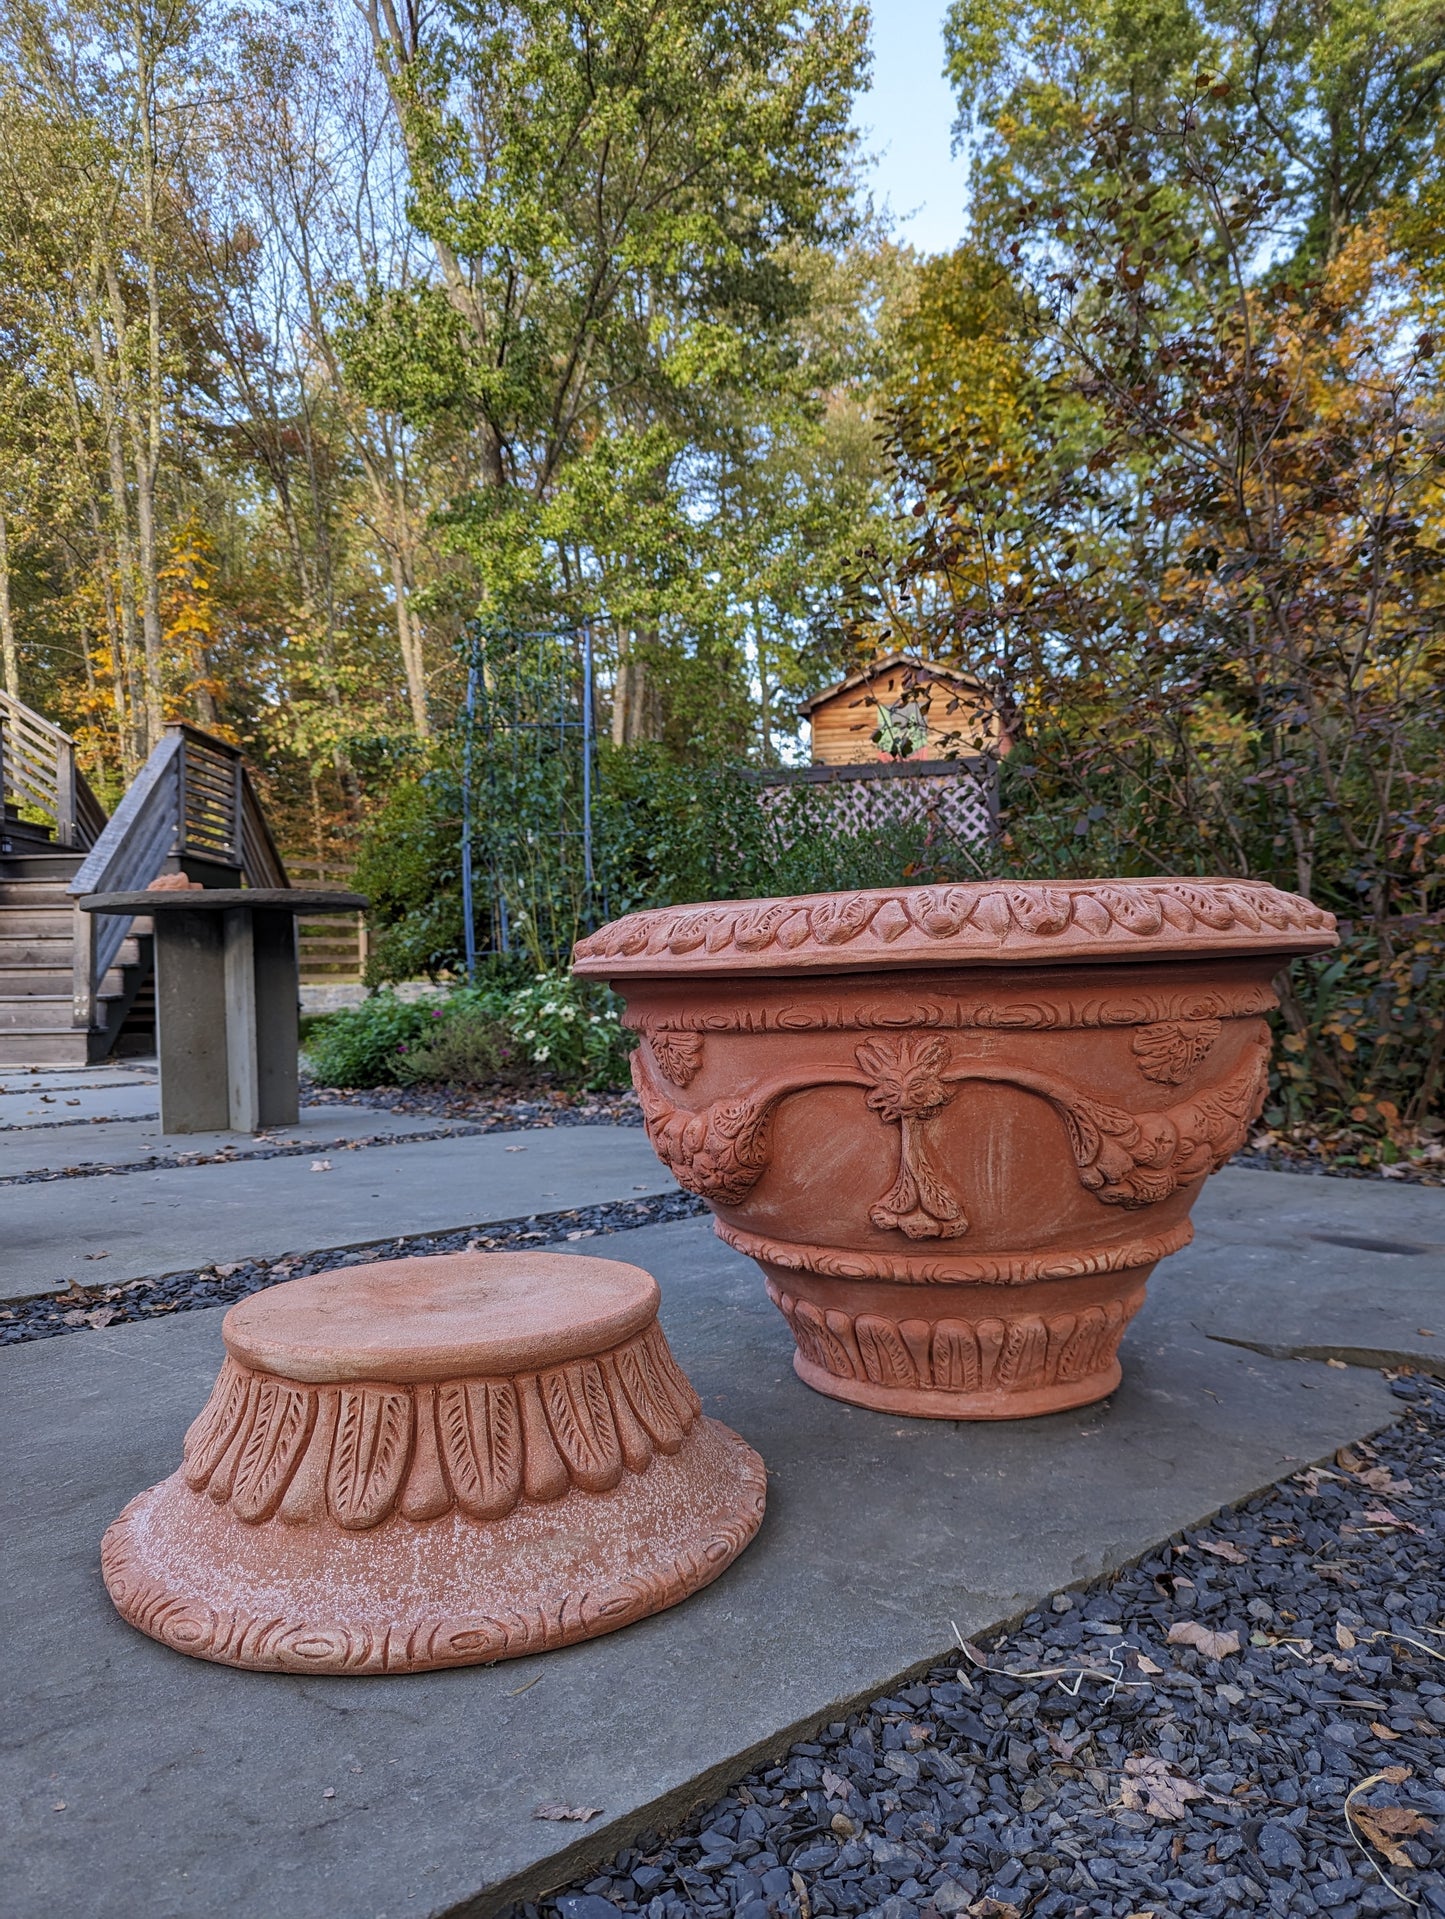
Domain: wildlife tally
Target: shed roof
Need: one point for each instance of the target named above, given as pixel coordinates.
(924, 668)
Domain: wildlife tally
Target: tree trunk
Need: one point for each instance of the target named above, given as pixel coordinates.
(7, 620)
(410, 642)
(147, 432)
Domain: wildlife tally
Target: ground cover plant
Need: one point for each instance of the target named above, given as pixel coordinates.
(548, 1030)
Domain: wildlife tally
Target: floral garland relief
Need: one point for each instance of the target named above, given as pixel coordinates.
(721, 1151)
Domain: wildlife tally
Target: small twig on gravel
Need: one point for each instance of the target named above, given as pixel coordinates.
(1390, 1777)
(1078, 1674)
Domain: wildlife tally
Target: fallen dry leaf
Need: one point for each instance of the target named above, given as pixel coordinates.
(1385, 1826)
(1213, 1645)
(1382, 1516)
(1383, 1732)
(1149, 1785)
(1146, 1664)
(580, 1813)
(989, 1908)
(1344, 1638)
(1222, 1549)
(834, 1785)
(1380, 1479)
(321, 1165)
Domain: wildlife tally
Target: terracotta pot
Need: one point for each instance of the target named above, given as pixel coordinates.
(956, 1126)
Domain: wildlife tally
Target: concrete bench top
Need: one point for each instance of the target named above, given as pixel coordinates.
(214, 899)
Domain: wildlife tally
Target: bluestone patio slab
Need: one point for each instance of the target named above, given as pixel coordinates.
(139, 1781)
(64, 1104)
(148, 1224)
(1342, 1268)
(131, 1142)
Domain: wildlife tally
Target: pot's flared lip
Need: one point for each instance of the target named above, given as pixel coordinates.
(978, 923)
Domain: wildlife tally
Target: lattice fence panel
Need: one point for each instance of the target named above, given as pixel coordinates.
(959, 801)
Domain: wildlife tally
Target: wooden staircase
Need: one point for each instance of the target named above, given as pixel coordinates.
(76, 988)
(37, 957)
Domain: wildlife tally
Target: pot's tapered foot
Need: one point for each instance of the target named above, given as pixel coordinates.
(1035, 1350)
(932, 1402)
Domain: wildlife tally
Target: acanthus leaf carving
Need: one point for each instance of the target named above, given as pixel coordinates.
(979, 917)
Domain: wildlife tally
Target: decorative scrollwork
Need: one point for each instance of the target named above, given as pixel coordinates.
(1169, 1051)
(990, 1355)
(359, 1453)
(678, 1055)
(1129, 1161)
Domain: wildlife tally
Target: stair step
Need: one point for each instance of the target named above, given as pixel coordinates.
(37, 922)
(49, 982)
(70, 1048)
(20, 864)
(36, 1013)
(45, 946)
(36, 892)
(33, 949)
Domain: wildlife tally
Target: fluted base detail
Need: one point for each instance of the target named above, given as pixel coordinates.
(953, 1355)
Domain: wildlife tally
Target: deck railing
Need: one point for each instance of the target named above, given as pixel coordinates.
(192, 800)
(38, 774)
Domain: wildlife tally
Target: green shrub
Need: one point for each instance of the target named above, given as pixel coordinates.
(360, 1045)
(571, 1029)
(464, 1044)
(553, 1028)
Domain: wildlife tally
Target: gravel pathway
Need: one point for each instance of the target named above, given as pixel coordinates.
(1181, 1742)
(492, 1111)
(91, 1307)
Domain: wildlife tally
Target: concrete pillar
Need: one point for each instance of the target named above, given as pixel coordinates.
(191, 1022)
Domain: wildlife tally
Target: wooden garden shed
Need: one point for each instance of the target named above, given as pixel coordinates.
(942, 712)
(947, 779)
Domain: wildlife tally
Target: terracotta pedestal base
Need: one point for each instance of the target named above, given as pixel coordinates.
(435, 1462)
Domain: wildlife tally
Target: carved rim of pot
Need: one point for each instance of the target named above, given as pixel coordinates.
(976, 923)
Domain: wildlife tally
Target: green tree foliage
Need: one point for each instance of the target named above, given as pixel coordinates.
(1212, 600)
(1332, 106)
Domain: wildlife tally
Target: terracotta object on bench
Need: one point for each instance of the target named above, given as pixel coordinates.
(435, 1462)
(956, 1126)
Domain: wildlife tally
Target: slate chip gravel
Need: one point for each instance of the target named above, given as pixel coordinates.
(973, 1792)
(98, 1306)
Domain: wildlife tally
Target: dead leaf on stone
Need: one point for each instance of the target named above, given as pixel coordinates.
(1222, 1549)
(834, 1785)
(1380, 1479)
(1385, 1826)
(1344, 1638)
(1213, 1645)
(990, 1908)
(581, 1813)
(1382, 1731)
(321, 1165)
(1145, 1664)
(1149, 1785)
(1382, 1516)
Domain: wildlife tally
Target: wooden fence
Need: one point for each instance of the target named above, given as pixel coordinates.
(331, 951)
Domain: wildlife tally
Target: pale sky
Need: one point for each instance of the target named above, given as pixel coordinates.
(907, 120)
